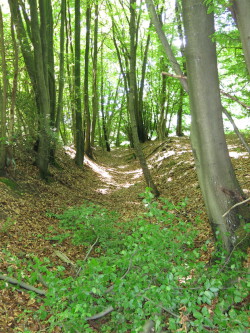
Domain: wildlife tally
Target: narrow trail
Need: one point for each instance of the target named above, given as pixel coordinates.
(113, 180)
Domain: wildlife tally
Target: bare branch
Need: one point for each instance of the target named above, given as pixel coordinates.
(236, 205)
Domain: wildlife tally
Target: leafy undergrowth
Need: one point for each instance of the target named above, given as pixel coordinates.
(87, 240)
(150, 274)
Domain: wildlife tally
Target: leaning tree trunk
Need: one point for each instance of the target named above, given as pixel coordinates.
(132, 102)
(241, 13)
(216, 176)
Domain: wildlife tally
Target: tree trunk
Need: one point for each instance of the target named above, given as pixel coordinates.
(216, 176)
(42, 90)
(61, 67)
(95, 79)
(88, 149)
(132, 102)
(3, 100)
(241, 13)
(78, 107)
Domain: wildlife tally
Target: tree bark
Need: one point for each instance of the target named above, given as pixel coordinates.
(95, 97)
(78, 107)
(132, 102)
(241, 13)
(42, 90)
(216, 176)
(88, 149)
(3, 100)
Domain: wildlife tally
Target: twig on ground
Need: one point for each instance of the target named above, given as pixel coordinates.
(101, 314)
(22, 285)
(87, 254)
(161, 307)
(236, 205)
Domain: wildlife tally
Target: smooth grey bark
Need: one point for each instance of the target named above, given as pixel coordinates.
(78, 105)
(132, 102)
(219, 186)
(241, 13)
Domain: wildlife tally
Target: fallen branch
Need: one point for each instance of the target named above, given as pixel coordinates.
(22, 285)
(236, 205)
(101, 314)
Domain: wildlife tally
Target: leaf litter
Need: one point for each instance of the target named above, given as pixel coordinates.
(113, 180)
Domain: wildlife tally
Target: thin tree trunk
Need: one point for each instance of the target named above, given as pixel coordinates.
(88, 149)
(61, 67)
(132, 102)
(14, 87)
(95, 79)
(3, 99)
(78, 108)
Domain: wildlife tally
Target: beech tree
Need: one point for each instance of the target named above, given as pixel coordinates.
(217, 179)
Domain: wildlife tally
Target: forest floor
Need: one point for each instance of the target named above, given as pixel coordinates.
(113, 180)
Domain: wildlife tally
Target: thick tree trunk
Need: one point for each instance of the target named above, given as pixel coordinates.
(216, 176)
(43, 93)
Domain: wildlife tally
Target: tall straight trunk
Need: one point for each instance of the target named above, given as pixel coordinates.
(78, 107)
(61, 67)
(15, 80)
(88, 149)
(216, 176)
(241, 13)
(43, 93)
(132, 101)
(95, 79)
(179, 114)
(3, 99)
(144, 135)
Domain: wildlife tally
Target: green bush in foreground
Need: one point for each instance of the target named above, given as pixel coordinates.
(155, 273)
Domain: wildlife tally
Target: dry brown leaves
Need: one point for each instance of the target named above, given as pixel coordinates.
(113, 180)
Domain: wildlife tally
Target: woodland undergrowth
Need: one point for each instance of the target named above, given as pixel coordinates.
(150, 275)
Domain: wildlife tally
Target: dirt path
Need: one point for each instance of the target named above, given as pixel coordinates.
(114, 181)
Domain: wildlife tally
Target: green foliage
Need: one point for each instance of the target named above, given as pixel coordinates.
(87, 223)
(155, 273)
(6, 225)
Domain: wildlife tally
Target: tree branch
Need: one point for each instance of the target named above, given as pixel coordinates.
(236, 205)
(22, 285)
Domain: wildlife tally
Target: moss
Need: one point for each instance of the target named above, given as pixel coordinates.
(10, 183)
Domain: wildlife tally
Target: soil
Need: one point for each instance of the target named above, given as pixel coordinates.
(113, 180)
